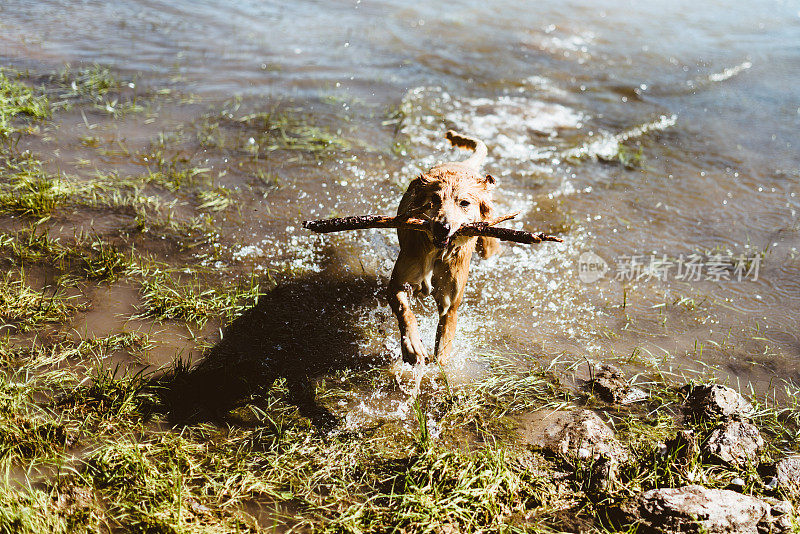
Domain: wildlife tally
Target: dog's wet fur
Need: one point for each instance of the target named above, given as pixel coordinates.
(437, 262)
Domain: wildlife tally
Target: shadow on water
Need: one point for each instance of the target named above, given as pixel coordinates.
(303, 329)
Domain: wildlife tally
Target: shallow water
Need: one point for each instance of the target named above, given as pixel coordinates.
(702, 98)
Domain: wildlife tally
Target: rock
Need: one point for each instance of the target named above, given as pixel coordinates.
(609, 384)
(736, 443)
(713, 402)
(697, 509)
(782, 517)
(576, 435)
(787, 473)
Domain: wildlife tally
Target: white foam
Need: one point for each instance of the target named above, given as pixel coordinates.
(544, 85)
(730, 72)
(572, 46)
(512, 124)
(606, 145)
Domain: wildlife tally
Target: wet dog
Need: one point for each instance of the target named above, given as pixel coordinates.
(437, 262)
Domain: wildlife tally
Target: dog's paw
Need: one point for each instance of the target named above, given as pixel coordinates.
(413, 351)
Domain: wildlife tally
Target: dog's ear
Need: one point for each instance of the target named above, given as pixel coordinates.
(420, 181)
(489, 182)
(486, 207)
(416, 194)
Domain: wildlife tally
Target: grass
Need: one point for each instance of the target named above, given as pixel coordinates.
(29, 192)
(18, 102)
(24, 308)
(86, 256)
(168, 296)
(98, 86)
(261, 133)
(202, 478)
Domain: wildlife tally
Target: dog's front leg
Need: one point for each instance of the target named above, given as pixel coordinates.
(410, 343)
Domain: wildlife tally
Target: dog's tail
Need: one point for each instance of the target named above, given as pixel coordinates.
(462, 141)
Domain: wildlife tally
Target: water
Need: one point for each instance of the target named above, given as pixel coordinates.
(703, 98)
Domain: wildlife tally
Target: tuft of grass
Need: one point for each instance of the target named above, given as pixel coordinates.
(93, 82)
(30, 430)
(97, 85)
(513, 384)
(777, 414)
(218, 199)
(17, 99)
(29, 192)
(627, 157)
(24, 308)
(37, 510)
(90, 257)
(167, 297)
(261, 133)
(116, 395)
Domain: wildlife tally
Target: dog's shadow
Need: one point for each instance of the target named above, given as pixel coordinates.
(302, 329)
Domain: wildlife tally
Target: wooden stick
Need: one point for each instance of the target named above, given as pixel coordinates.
(484, 228)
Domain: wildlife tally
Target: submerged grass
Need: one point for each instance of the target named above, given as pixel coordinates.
(98, 86)
(17, 102)
(86, 256)
(261, 133)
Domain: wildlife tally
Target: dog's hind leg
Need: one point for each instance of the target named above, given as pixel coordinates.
(487, 246)
(451, 282)
(446, 332)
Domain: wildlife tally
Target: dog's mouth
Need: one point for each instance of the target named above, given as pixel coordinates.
(440, 234)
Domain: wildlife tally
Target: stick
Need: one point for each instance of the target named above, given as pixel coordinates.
(485, 228)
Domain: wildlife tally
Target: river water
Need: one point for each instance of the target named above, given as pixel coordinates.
(649, 133)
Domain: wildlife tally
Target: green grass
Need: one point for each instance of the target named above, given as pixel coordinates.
(261, 133)
(98, 86)
(18, 101)
(168, 296)
(29, 192)
(85, 256)
(24, 308)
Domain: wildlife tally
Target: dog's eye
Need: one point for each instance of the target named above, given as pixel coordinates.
(464, 203)
(435, 201)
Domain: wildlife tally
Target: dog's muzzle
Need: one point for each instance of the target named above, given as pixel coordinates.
(441, 234)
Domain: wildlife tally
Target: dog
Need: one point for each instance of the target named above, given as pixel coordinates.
(437, 262)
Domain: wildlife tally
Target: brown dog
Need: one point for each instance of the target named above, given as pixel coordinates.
(448, 195)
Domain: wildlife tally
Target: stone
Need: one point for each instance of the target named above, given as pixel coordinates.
(787, 474)
(576, 435)
(715, 402)
(608, 383)
(782, 518)
(736, 443)
(695, 509)
(579, 437)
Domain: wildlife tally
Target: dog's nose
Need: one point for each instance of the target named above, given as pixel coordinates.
(440, 231)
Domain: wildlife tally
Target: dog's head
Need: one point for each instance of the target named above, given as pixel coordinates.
(449, 196)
